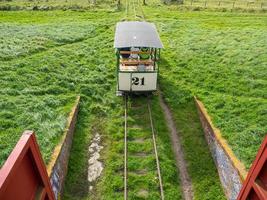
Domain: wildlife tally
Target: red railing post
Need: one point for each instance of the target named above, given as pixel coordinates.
(23, 175)
(255, 185)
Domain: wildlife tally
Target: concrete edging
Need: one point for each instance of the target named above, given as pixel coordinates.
(232, 171)
(58, 165)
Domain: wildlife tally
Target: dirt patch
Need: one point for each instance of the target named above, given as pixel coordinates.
(141, 172)
(178, 152)
(95, 166)
(138, 140)
(137, 127)
(141, 154)
(143, 193)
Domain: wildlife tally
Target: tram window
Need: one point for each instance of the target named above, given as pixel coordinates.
(141, 67)
(134, 55)
(125, 49)
(144, 56)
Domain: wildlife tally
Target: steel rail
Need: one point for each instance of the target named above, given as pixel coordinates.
(134, 9)
(155, 150)
(142, 11)
(127, 9)
(134, 6)
(125, 147)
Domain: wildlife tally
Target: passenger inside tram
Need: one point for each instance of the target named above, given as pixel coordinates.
(136, 59)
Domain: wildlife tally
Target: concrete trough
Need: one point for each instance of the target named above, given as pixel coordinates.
(58, 166)
(232, 171)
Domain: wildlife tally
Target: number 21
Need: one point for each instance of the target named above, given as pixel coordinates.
(136, 81)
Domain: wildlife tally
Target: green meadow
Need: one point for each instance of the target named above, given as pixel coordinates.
(221, 58)
(47, 58)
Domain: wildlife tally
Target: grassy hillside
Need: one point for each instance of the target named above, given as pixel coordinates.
(47, 58)
(56, 4)
(241, 5)
(222, 59)
(55, 56)
(110, 186)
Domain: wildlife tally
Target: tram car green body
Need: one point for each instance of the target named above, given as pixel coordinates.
(137, 47)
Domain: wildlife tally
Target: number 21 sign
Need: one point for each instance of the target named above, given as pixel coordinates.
(138, 81)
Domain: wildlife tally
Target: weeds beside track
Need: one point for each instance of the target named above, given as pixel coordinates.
(142, 191)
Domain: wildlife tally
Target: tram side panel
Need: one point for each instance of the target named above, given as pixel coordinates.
(137, 81)
(124, 82)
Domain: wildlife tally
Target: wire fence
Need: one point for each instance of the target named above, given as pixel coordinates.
(261, 5)
(53, 4)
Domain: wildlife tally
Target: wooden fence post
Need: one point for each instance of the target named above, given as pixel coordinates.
(233, 4)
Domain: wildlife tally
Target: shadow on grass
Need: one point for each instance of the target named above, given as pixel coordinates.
(76, 184)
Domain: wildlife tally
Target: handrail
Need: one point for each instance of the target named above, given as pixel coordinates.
(136, 52)
(135, 61)
(24, 175)
(257, 176)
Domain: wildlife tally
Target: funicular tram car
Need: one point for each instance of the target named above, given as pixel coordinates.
(137, 47)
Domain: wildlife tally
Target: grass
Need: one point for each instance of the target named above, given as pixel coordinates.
(27, 39)
(47, 58)
(139, 128)
(220, 58)
(39, 85)
(167, 161)
(44, 5)
(76, 185)
(201, 168)
(19, 113)
(240, 5)
(110, 185)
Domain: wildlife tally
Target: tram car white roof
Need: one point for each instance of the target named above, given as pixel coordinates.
(136, 34)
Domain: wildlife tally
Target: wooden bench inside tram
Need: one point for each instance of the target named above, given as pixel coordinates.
(134, 64)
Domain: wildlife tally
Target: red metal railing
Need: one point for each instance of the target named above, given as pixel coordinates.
(255, 185)
(24, 175)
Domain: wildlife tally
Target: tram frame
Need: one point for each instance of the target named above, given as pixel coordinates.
(135, 74)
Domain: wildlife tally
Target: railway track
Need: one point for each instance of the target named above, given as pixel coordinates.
(142, 13)
(134, 10)
(159, 184)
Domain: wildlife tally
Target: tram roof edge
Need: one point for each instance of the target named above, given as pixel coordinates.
(136, 34)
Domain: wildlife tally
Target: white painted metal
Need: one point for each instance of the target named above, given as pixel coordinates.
(124, 81)
(136, 34)
(137, 81)
(144, 81)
